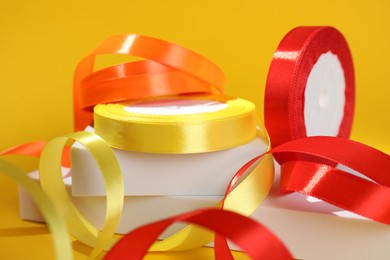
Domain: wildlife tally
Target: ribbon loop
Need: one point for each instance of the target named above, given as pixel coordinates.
(257, 241)
(339, 188)
(49, 210)
(344, 151)
(136, 80)
(52, 184)
(166, 68)
(353, 193)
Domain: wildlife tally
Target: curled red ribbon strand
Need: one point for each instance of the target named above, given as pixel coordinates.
(353, 193)
(323, 181)
(256, 240)
(319, 180)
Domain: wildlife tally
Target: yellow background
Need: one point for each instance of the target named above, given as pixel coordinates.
(42, 41)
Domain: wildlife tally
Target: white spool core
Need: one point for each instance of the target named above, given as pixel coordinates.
(325, 97)
(176, 107)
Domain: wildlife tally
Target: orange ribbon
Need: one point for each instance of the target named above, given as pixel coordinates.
(168, 70)
(35, 149)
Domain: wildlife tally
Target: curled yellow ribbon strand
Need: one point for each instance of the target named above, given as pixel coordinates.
(240, 200)
(52, 184)
(54, 220)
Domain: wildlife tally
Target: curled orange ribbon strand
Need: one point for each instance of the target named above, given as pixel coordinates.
(35, 149)
(168, 69)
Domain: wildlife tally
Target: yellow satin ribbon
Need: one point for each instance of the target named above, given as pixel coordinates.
(55, 221)
(240, 200)
(234, 126)
(229, 127)
(52, 184)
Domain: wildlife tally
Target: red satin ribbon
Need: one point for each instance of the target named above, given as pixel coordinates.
(256, 240)
(355, 194)
(366, 198)
(168, 70)
(287, 77)
(320, 180)
(308, 164)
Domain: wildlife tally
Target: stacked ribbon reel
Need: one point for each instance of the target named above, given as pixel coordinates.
(309, 105)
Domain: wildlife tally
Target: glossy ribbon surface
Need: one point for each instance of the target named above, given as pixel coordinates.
(258, 242)
(175, 133)
(52, 184)
(349, 191)
(49, 210)
(353, 193)
(314, 174)
(287, 80)
(168, 69)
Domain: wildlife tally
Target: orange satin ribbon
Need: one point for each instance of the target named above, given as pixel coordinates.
(168, 70)
(35, 149)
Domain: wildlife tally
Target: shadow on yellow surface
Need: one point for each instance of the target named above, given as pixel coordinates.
(199, 253)
(23, 231)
